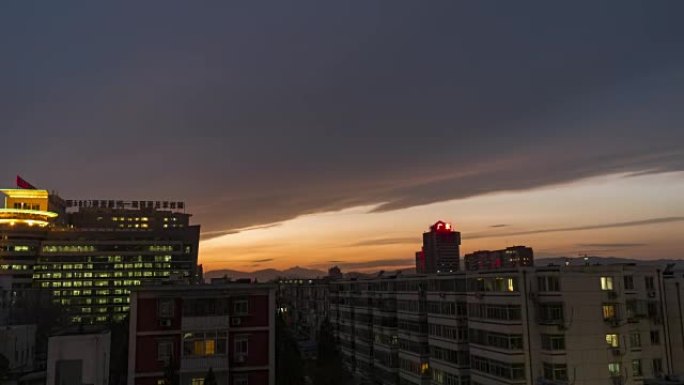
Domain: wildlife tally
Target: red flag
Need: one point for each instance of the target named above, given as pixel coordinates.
(21, 183)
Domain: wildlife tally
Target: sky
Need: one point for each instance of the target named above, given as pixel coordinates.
(336, 132)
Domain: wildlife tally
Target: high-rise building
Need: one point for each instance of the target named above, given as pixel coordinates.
(87, 255)
(510, 257)
(179, 332)
(441, 250)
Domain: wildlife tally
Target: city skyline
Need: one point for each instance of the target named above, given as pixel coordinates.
(337, 133)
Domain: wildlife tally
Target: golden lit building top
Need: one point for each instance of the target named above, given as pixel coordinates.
(26, 207)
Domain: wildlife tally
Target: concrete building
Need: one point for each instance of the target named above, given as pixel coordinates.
(89, 254)
(182, 331)
(79, 358)
(18, 345)
(553, 325)
(441, 250)
(508, 258)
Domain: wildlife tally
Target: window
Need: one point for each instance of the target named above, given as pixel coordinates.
(655, 337)
(636, 368)
(551, 313)
(241, 346)
(197, 381)
(206, 343)
(635, 340)
(165, 308)
(555, 372)
(240, 307)
(629, 282)
(549, 283)
(657, 366)
(649, 283)
(553, 341)
(241, 379)
(614, 369)
(609, 312)
(613, 340)
(606, 283)
(164, 350)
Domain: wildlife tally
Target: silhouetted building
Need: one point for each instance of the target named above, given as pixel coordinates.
(181, 331)
(441, 250)
(89, 254)
(510, 257)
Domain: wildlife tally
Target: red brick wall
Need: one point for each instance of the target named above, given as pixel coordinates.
(146, 353)
(258, 312)
(256, 377)
(257, 354)
(147, 315)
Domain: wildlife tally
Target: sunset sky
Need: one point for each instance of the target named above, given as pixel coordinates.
(337, 132)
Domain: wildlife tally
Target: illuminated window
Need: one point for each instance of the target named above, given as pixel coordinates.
(609, 312)
(614, 369)
(613, 340)
(606, 283)
(424, 368)
(197, 381)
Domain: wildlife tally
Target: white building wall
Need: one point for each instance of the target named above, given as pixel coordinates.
(93, 350)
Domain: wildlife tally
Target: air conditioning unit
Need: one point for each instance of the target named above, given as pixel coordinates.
(165, 322)
(235, 321)
(240, 358)
(652, 293)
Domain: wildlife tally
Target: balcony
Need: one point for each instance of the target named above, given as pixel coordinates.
(202, 363)
(205, 322)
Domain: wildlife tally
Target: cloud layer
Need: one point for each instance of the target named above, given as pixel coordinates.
(255, 114)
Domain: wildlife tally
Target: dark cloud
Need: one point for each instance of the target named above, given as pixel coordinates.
(496, 226)
(388, 241)
(651, 221)
(611, 245)
(387, 263)
(217, 233)
(263, 260)
(259, 113)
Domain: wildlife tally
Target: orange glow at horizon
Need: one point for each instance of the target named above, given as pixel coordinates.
(617, 215)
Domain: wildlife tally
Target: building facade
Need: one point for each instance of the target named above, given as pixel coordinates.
(88, 255)
(554, 325)
(18, 346)
(508, 258)
(181, 331)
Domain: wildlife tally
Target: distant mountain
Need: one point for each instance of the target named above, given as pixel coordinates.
(266, 274)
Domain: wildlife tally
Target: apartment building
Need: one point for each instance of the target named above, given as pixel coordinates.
(549, 325)
(182, 331)
(304, 305)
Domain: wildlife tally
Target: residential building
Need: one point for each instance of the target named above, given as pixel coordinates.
(89, 254)
(508, 258)
(182, 331)
(590, 325)
(78, 357)
(304, 305)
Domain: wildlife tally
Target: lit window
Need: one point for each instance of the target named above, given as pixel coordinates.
(197, 381)
(606, 283)
(614, 369)
(613, 340)
(609, 312)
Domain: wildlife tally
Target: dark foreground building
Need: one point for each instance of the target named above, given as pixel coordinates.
(87, 255)
(178, 332)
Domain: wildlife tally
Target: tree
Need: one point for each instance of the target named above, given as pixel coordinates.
(4, 367)
(210, 378)
(329, 369)
(289, 364)
(119, 353)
